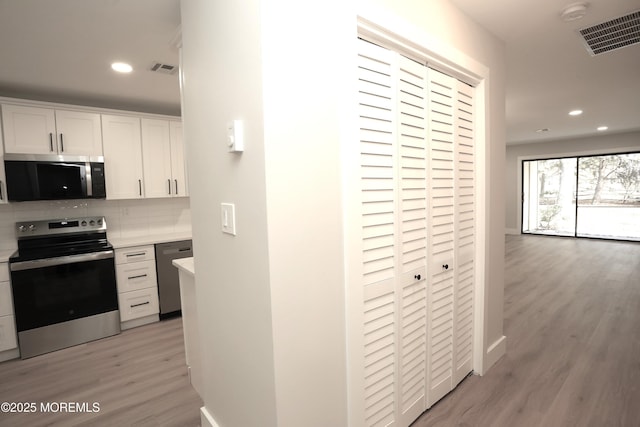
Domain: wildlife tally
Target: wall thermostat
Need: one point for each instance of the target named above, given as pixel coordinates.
(235, 136)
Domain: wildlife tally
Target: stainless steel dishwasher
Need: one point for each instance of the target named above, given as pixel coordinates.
(168, 282)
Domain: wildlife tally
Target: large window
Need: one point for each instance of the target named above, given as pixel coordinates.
(591, 196)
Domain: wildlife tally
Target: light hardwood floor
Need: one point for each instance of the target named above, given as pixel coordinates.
(138, 378)
(572, 321)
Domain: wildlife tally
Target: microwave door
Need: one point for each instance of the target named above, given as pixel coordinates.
(61, 181)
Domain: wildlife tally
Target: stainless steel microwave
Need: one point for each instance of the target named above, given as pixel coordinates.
(53, 177)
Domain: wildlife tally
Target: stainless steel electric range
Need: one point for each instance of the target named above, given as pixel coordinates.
(64, 284)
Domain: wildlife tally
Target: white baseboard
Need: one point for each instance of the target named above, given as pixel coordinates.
(9, 354)
(512, 231)
(206, 419)
(495, 352)
(139, 322)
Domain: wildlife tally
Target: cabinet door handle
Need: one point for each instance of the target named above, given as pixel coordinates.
(136, 254)
(139, 276)
(176, 186)
(142, 303)
(1, 196)
(169, 185)
(140, 186)
(50, 141)
(61, 144)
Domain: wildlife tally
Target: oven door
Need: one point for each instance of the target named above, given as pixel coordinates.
(54, 290)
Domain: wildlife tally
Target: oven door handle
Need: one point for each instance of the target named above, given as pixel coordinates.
(68, 259)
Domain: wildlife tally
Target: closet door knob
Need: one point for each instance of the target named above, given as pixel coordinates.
(417, 277)
(445, 266)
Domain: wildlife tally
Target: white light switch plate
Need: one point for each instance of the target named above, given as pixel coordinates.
(228, 217)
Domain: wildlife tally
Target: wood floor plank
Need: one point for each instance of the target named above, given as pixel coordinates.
(138, 378)
(572, 312)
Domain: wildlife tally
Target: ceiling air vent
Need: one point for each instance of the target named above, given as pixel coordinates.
(614, 34)
(161, 68)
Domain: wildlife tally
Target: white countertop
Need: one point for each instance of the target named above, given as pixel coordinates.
(127, 242)
(185, 265)
(5, 254)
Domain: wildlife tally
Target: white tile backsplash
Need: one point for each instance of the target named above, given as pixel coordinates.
(125, 218)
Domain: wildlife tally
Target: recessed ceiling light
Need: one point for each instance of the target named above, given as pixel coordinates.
(601, 128)
(575, 112)
(542, 130)
(121, 67)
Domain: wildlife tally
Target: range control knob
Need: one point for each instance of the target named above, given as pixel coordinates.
(92, 223)
(22, 229)
(32, 227)
(100, 221)
(83, 223)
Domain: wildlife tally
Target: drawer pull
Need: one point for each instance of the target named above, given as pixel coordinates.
(142, 303)
(136, 254)
(139, 276)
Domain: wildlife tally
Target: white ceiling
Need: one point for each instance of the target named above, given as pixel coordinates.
(550, 71)
(61, 50)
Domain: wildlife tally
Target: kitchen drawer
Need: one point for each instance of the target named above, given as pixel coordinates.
(7, 333)
(6, 302)
(136, 304)
(4, 272)
(135, 254)
(136, 275)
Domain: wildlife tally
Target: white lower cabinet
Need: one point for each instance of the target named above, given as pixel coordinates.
(137, 286)
(137, 304)
(136, 275)
(8, 341)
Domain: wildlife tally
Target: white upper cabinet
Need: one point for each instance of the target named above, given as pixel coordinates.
(79, 133)
(178, 163)
(122, 157)
(35, 130)
(163, 158)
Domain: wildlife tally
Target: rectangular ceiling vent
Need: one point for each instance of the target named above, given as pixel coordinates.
(161, 68)
(611, 35)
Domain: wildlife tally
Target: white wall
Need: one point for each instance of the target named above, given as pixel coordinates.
(598, 144)
(125, 218)
(271, 299)
(222, 81)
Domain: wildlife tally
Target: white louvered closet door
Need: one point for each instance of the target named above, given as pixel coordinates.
(412, 134)
(465, 232)
(378, 146)
(451, 234)
(392, 107)
(440, 293)
(416, 216)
